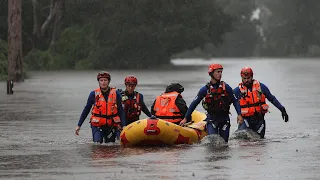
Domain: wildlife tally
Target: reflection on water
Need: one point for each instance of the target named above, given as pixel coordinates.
(37, 124)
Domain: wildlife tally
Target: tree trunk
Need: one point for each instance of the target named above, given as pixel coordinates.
(15, 62)
(59, 4)
(36, 24)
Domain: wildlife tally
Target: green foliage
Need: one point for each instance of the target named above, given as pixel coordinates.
(99, 34)
(3, 19)
(83, 64)
(241, 42)
(74, 44)
(135, 34)
(151, 32)
(38, 60)
(3, 60)
(293, 27)
(314, 50)
(46, 60)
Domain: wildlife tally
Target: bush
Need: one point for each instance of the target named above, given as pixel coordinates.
(74, 44)
(3, 60)
(38, 60)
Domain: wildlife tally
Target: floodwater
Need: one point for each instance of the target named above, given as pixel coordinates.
(37, 125)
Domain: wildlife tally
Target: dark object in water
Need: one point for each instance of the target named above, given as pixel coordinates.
(9, 87)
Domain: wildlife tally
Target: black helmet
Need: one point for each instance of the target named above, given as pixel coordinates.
(175, 87)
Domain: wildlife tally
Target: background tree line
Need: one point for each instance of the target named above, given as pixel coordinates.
(81, 34)
(284, 29)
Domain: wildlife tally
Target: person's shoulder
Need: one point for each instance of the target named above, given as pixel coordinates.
(226, 84)
(205, 87)
(119, 93)
(120, 90)
(236, 89)
(262, 84)
(227, 87)
(92, 93)
(140, 94)
(203, 90)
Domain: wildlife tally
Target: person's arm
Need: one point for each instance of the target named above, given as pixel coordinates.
(87, 108)
(120, 109)
(201, 94)
(182, 105)
(237, 93)
(144, 108)
(265, 90)
(152, 108)
(234, 99)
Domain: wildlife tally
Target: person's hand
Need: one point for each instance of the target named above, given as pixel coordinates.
(183, 121)
(121, 128)
(239, 119)
(77, 130)
(284, 115)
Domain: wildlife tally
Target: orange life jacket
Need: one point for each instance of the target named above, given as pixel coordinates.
(166, 108)
(216, 100)
(105, 112)
(254, 101)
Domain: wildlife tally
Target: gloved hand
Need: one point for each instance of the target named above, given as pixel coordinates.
(284, 114)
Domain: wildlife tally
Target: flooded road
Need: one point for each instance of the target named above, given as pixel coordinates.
(37, 125)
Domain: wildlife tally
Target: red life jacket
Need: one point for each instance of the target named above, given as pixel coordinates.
(132, 107)
(216, 100)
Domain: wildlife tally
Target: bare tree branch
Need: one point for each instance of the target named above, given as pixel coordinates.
(49, 20)
(36, 23)
(57, 22)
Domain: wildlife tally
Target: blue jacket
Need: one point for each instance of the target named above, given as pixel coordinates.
(90, 103)
(203, 92)
(265, 90)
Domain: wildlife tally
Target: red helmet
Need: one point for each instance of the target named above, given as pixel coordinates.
(213, 67)
(131, 80)
(103, 74)
(246, 71)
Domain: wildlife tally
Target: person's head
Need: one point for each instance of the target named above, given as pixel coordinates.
(131, 83)
(246, 74)
(103, 79)
(215, 71)
(174, 87)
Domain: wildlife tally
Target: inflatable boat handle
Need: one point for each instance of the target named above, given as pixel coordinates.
(188, 123)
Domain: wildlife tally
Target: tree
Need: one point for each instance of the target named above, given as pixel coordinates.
(40, 34)
(242, 41)
(15, 61)
(143, 33)
(59, 34)
(292, 27)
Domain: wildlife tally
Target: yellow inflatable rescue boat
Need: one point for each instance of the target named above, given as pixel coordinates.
(159, 132)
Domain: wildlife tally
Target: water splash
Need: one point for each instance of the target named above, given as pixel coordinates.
(213, 141)
(247, 134)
